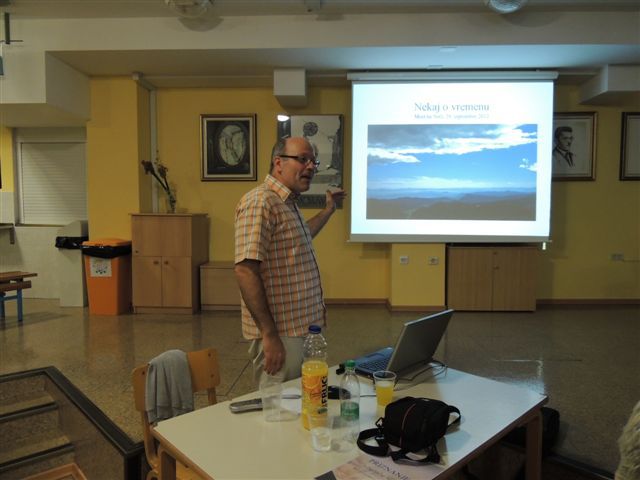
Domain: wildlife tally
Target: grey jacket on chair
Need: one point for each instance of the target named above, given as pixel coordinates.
(168, 386)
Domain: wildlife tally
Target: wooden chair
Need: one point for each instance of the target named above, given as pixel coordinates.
(205, 375)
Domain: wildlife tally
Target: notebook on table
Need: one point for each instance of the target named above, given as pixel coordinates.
(415, 346)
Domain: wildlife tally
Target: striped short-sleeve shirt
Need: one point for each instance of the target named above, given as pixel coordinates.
(270, 229)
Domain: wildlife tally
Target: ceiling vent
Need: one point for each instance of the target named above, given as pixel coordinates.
(505, 6)
(290, 86)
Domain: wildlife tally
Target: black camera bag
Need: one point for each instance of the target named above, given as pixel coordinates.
(413, 425)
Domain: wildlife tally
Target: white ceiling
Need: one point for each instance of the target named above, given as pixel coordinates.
(238, 43)
(157, 8)
(213, 63)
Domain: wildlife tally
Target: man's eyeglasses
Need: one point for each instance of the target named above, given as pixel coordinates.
(303, 160)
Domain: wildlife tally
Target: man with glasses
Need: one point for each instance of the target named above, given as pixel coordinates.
(275, 263)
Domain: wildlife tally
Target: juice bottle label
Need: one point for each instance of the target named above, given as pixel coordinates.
(314, 388)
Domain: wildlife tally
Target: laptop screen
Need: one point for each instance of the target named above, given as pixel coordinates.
(415, 346)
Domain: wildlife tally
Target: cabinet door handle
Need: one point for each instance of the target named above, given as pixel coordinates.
(156, 262)
(166, 262)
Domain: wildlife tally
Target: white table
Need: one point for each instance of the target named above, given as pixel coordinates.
(218, 444)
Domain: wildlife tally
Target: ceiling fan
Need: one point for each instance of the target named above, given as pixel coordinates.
(189, 8)
(505, 6)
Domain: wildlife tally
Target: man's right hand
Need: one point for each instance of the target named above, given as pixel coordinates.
(274, 353)
(252, 289)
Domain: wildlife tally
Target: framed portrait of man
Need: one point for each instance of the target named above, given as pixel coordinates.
(573, 154)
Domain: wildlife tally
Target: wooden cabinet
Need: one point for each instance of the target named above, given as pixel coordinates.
(491, 277)
(168, 250)
(219, 287)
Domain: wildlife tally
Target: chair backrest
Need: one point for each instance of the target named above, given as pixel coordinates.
(205, 372)
(205, 375)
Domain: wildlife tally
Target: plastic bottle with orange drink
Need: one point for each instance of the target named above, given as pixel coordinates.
(315, 372)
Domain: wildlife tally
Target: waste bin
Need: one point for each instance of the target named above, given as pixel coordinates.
(73, 291)
(107, 263)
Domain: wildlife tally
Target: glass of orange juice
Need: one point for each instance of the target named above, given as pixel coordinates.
(384, 381)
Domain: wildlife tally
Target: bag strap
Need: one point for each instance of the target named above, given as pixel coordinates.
(455, 410)
(382, 449)
(432, 456)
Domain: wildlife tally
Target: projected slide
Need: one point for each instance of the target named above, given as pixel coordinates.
(452, 172)
(451, 161)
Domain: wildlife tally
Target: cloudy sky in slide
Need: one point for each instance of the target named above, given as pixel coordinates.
(452, 156)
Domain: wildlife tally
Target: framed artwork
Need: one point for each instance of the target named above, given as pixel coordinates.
(228, 147)
(574, 146)
(325, 133)
(630, 146)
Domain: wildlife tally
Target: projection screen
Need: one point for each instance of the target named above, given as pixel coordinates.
(452, 158)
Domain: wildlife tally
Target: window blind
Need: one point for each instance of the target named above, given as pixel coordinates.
(53, 182)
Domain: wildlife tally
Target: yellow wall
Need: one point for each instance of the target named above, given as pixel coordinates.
(113, 166)
(144, 149)
(418, 283)
(349, 271)
(590, 220)
(6, 159)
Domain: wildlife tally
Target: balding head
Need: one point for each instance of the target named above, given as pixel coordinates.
(293, 163)
(285, 145)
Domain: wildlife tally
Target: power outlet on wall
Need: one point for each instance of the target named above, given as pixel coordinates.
(433, 260)
(404, 259)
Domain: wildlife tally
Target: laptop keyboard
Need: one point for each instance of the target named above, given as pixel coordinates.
(375, 364)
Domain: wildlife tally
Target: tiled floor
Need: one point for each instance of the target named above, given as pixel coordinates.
(587, 359)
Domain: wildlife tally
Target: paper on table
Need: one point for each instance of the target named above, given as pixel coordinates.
(380, 468)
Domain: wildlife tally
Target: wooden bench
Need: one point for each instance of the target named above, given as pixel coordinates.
(13, 281)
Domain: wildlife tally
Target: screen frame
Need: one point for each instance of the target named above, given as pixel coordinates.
(384, 234)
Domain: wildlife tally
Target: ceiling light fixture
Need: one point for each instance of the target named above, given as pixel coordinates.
(505, 6)
(189, 8)
(313, 5)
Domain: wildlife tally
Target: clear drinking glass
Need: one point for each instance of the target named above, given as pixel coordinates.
(384, 381)
(320, 428)
(271, 394)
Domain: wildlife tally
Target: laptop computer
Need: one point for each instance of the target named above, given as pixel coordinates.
(415, 346)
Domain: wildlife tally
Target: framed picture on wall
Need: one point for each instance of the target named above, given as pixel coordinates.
(573, 155)
(325, 133)
(228, 147)
(630, 146)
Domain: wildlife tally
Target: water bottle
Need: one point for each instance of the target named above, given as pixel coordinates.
(314, 374)
(350, 400)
